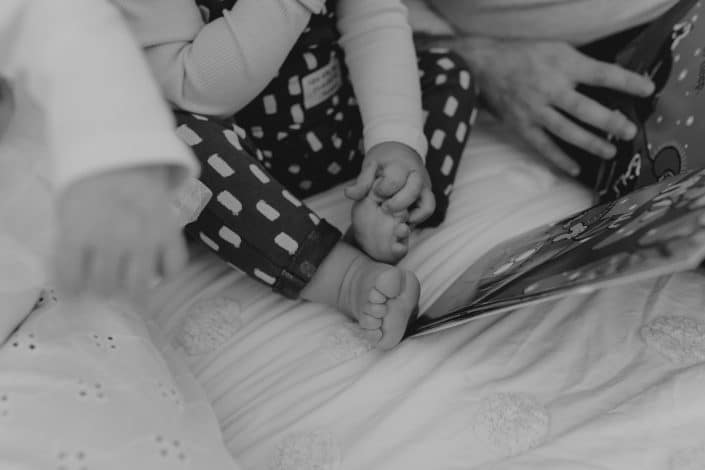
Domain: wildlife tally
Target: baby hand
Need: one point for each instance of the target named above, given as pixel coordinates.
(117, 233)
(397, 175)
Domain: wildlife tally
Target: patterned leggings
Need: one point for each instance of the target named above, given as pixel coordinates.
(253, 217)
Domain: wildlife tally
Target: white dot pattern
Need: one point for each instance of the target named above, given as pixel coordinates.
(287, 243)
(188, 136)
(219, 165)
(270, 104)
(437, 139)
(291, 198)
(268, 211)
(230, 202)
(229, 236)
(233, 139)
(209, 243)
(451, 106)
(264, 277)
(259, 174)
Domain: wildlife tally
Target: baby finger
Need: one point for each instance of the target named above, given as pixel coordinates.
(424, 208)
(407, 195)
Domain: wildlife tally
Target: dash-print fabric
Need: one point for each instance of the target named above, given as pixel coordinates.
(247, 217)
(300, 136)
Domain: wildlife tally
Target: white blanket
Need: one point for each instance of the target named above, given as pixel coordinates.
(611, 380)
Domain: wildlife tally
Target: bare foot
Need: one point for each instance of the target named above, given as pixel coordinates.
(383, 236)
(381, 297)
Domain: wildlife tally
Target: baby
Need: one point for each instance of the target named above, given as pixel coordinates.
(107, 137)
(283, 99)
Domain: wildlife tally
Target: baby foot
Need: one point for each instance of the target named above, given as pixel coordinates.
(382, 298)
(383, 236)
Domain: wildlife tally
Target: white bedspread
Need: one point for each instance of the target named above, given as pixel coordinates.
(612, 380)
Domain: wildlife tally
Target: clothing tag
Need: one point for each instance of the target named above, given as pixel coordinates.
(190, 200)
(322, 84)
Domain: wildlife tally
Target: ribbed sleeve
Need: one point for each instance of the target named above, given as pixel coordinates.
(380, 54)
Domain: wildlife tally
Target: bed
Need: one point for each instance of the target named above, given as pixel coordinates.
(610, 380)
(220, 373)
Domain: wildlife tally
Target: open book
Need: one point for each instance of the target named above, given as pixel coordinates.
(656, 230)
(650, 219)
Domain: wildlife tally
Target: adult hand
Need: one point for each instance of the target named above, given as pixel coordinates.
(117, 233)
(530, 84)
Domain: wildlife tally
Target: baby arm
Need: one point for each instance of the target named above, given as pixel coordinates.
(219, 67)
(114, 153)
(380, 55)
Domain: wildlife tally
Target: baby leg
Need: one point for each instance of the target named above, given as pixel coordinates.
(449, 103)
(258, 226)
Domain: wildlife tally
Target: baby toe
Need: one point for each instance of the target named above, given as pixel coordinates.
(375, 310)
(373, 336)
(390, 282)
(376, 297)
(402, 231)
(368, 322)
(399, 249)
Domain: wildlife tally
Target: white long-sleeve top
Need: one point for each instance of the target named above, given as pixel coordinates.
(80, 82)
(575, 21)
(219, 67)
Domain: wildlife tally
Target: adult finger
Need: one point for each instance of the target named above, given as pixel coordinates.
(105, 276)
(173, 256)
(424, 208)
(141, 270)
(602, 74)
(547, 149)
(574, 134)
(407, 195)
(590, 112)
(363, 182)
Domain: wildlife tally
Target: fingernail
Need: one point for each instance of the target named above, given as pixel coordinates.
(609, 151)
(649, 89)
(630, 132)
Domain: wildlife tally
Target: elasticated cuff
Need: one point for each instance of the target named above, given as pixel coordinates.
(304, 264)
